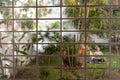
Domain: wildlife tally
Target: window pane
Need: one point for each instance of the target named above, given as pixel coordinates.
(73, 12)
(98, 12)
(115, 2)
(6, 49)
(97, 37)
(115, 24)
(49, 25)
(24, 37)
(73, 74)
(6, 13)
(24, 13)
(115, 62)
(116, 11)
(73, 24)
(48, 37)
(53, 61)
(115, 37)
(6, 37)
(6, 25)
(6, 3)
(49, 12)
(23, 61)
(24, 25)
(97, 24)
(73, 37)
(115, 49)
(48, 2)
(97, 74)
(26, 73)
(24, 2)
(52, 74)
(73, 2)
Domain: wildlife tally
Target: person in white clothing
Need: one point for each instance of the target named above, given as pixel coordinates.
(99, 53)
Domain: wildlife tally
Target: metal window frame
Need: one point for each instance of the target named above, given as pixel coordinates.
(110, 18)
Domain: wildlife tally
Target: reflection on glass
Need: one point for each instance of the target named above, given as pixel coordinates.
(49, 12)
(97, 24)
(49, 25)
(25, 25)
(24, 13)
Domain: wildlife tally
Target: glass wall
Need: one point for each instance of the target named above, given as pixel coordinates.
(59, 39)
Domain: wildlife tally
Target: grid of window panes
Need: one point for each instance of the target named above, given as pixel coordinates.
(59, 39)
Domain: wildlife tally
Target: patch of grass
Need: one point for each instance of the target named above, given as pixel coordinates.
(50, 61)
(54, 74)
(49, 74)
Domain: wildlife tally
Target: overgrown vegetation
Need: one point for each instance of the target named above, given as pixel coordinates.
(56, 55)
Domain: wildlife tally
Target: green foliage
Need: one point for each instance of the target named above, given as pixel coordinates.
(50, 61)
(3, 37)
(54, 25)
(28, 24)
(69, 50)
(69, 12)
(44, 74)
(50, 49)
(70, 2)
(66, 39)
(30, 3)
(34, 38)
(22, 52)
(6, 59)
